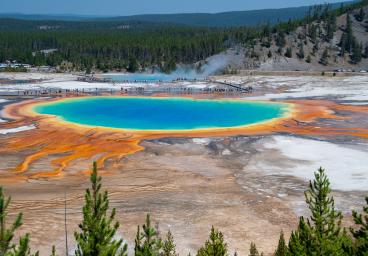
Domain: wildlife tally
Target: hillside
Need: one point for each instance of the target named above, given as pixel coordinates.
(238, 60)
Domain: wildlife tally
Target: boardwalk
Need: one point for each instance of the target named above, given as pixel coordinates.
(115, 81)
(239, 87)
(13, 88)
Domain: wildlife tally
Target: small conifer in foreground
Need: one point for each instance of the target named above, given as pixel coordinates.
(282, 249)
(169, 246)
(321, 234)
(215, 246)
(361, 235)
(145, 243)
(253, 250)
(53, 251)
(6, 235)
(96, 237)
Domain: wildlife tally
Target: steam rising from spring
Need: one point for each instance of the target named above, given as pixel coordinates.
(213, 66)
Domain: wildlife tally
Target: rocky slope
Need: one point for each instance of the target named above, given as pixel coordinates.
(238, 59)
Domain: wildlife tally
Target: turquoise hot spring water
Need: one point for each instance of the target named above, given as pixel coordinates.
(149, 113)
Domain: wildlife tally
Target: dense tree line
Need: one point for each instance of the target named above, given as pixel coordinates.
(113, 48)
(321, 234)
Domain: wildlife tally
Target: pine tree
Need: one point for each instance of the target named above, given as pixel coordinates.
(361, 235)
(169, 247)
(253, 250)
(215, 246)
(6, 235)
(145, 243)
(282, 249)
(97, 236)
(334, 21)
(280, 50)
(301, 52)
(133, 64)
(361, 14)
(88, 70)
(53, 251)
(330, 32)
(349, 247)
(269, 54)
(325, 56)
(321, 235)
(288, 53)
(309, 59)
(357, 53)
(138, 242)
(300, 240)
(23, 248)
(315, 48)
(349, 37)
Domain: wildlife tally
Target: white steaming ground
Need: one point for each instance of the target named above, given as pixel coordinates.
(213, 65)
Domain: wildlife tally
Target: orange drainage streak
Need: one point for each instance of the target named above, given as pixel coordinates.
(79, 142)
(351, 108)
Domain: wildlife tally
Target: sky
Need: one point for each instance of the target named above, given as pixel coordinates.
(133, 7)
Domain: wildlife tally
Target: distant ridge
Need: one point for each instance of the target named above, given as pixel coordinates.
(224, 19)
(7, 24)
(62, 17)
(228, 19)
(40, 17)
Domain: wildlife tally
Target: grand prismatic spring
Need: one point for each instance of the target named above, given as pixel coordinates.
(135, 113)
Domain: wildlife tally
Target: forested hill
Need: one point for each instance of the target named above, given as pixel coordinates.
(229, 19)
(129, 25)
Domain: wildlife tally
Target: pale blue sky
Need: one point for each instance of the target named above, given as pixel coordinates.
(132, 7)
